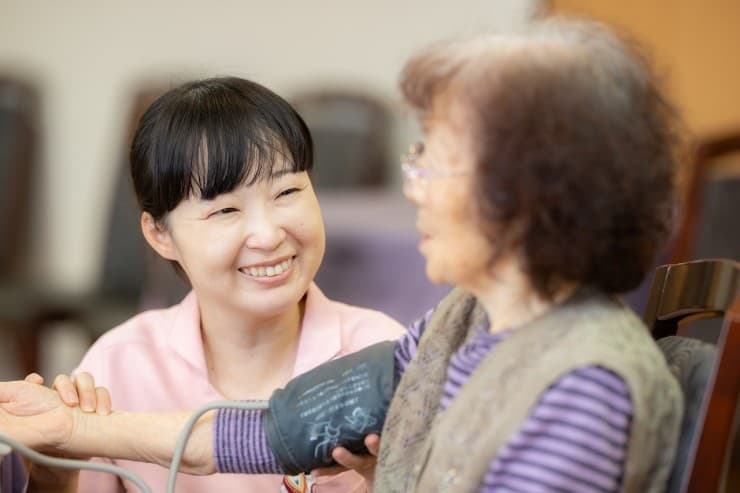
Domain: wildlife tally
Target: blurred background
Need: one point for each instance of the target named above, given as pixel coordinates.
(75, 76)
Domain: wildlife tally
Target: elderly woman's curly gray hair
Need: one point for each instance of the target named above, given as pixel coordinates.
(575, 146)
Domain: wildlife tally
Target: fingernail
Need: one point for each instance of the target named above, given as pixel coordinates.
(87, 405)
(71, 397)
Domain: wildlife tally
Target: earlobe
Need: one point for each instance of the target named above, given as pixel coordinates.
(158, 237)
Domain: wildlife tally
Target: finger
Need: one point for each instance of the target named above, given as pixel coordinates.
(372, 442)
(34, 378)
(85, 384)
(66, 390)
(104, 402)
(352, 461)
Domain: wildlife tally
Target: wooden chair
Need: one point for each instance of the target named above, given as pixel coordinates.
(709, 209)
(712, 202)
(709, 374)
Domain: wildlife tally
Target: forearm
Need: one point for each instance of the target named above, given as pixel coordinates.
(144, 437)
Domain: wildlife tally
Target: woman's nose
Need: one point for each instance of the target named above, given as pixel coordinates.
(413, 191)
(264, 232)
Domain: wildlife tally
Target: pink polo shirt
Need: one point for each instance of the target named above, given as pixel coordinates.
(155, 362)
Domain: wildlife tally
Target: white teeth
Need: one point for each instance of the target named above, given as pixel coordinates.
(271, 270)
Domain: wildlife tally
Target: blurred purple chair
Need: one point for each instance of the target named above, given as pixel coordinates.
(371, 254)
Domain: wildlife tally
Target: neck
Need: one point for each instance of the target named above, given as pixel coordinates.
(509, 299)
(249, 357)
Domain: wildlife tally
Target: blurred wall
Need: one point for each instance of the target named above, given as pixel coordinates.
(694, 42)
(86, 56)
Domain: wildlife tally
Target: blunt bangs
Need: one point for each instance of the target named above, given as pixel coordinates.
(209, 137)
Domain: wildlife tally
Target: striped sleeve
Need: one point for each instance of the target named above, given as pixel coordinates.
(574, 440)
(240, 443)
(407, 345)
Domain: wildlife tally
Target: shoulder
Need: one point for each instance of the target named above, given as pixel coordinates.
(144, 332)
(593, 384)
(141, 328)
(361, 327)
(576, 434)
(601, 330)
(358, 327)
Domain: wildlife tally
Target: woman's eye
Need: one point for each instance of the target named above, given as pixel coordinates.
(221, 212)
(288, 192)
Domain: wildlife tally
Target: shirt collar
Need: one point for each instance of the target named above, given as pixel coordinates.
(321, 332)
(185, 337)
(320, 339)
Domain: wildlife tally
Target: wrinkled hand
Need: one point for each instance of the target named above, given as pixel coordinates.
(43, 479)
(82, 390)
(362, 464)
(35, 415)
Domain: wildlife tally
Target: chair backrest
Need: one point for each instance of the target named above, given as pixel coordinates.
(19, 146)
(131, 270)
(709, 375)
(708, 219)
(351, 133)
(124, 259)
(712, 201)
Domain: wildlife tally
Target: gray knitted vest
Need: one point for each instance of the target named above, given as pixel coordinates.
(425, 450)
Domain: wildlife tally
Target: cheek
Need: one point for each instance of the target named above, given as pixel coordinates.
(450, 210)
(311, 236)
(309, 226)
(211, 249)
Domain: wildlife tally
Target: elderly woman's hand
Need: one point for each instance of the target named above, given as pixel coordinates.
(35, 415)
(362, 464)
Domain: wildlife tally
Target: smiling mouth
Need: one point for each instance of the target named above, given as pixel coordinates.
(268, 270)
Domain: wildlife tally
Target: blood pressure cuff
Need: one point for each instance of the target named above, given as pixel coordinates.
(337, 403)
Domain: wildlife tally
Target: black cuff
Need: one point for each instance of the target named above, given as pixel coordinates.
(337, 403)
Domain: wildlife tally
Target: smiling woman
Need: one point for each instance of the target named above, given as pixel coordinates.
(221, 172)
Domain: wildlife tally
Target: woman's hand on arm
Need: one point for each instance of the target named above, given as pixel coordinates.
(37, 417)
(81, 390)
(43, 479)
(364, 464)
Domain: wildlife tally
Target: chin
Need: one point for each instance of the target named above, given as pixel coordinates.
(436, 275)
(269, 310)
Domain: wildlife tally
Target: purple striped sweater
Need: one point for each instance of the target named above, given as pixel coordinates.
(573, 441)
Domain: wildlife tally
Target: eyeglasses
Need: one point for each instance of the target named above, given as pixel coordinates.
(415, 177)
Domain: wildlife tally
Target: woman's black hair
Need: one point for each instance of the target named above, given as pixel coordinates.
(207, 137)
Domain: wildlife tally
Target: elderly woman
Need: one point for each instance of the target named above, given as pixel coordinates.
(544, 188)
